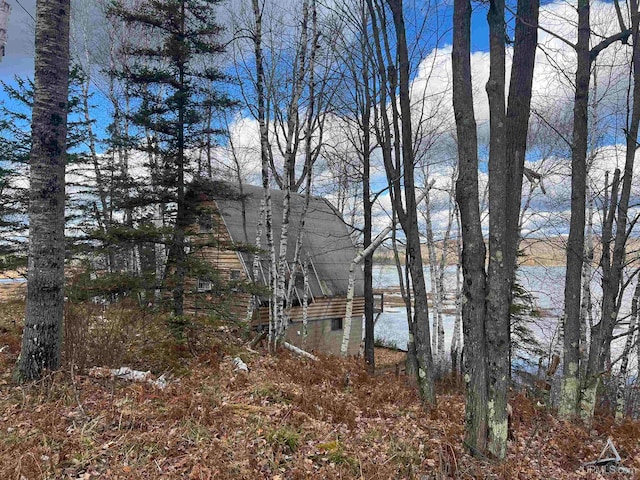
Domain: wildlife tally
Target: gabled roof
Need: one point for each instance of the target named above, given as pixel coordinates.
(326, 239)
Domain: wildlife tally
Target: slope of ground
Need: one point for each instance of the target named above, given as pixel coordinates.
(287, 418)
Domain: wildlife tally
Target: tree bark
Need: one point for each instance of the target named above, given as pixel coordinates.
(436, 302)
(568, 406)
(398, 157)
(586, 305)
(473, 247)
(266, 158)
(622, 375)
(508, 143)
(45, 288)
(456, 341)
(498, 286)
(613, 262)
(409, 219)
(367, 202)
(181, 214)
(486, 304)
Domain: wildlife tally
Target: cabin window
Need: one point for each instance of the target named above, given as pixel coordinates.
(204, 285)
(205, 223)
(234, 275)
(336, 324)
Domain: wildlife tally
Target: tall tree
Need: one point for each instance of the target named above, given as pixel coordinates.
(172, 78)
(614, 241)
(571, 384)
(473, 247)
(355, 104)
(289, 91)
(486, 312)
(45, 289)
(394, 132)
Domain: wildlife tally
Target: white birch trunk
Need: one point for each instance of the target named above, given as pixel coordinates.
(442, 267)
(282, 267)
(622, 376)
(435, 295)
(375, 243)
(305, 303)
(299, 351)
(586, 306)
(346, 334)
(272, 270)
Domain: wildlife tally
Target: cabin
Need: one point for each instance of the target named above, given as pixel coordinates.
(233, 215)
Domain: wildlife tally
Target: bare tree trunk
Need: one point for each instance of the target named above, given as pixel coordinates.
(456, 341)
(622, 376)
(435, 293)
(45, 288)
(255, 300)
(443, 265)
(498, 285)
(305, 303)
(473, 247)
(613, 263)
(575, 244)
(571, 395)
(181, 214)
(586, 306)
(266, 156)
(508, 142)
(309, 156)
(398, 156)
(486, 312)
(367, 202)
(408, 217)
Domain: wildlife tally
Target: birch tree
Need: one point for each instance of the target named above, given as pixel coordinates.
(290, 107)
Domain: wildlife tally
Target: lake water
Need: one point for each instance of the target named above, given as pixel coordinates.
(13, 280)
(546, 284)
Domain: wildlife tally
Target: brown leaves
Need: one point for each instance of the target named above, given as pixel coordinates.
(287, 418)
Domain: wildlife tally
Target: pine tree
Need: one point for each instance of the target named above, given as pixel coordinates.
(174, 80)
(15, 147)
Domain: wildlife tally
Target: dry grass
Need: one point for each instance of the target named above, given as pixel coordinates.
(287, 418)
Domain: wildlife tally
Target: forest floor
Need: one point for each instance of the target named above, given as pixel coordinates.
(287, 418)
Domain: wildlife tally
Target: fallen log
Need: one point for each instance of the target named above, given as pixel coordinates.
(299, 351)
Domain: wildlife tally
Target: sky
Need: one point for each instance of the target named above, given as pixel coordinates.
(552, 92)
(18, 59)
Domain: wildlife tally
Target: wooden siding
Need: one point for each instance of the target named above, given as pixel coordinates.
(322, 308)
(320, 337)
(225, 261)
